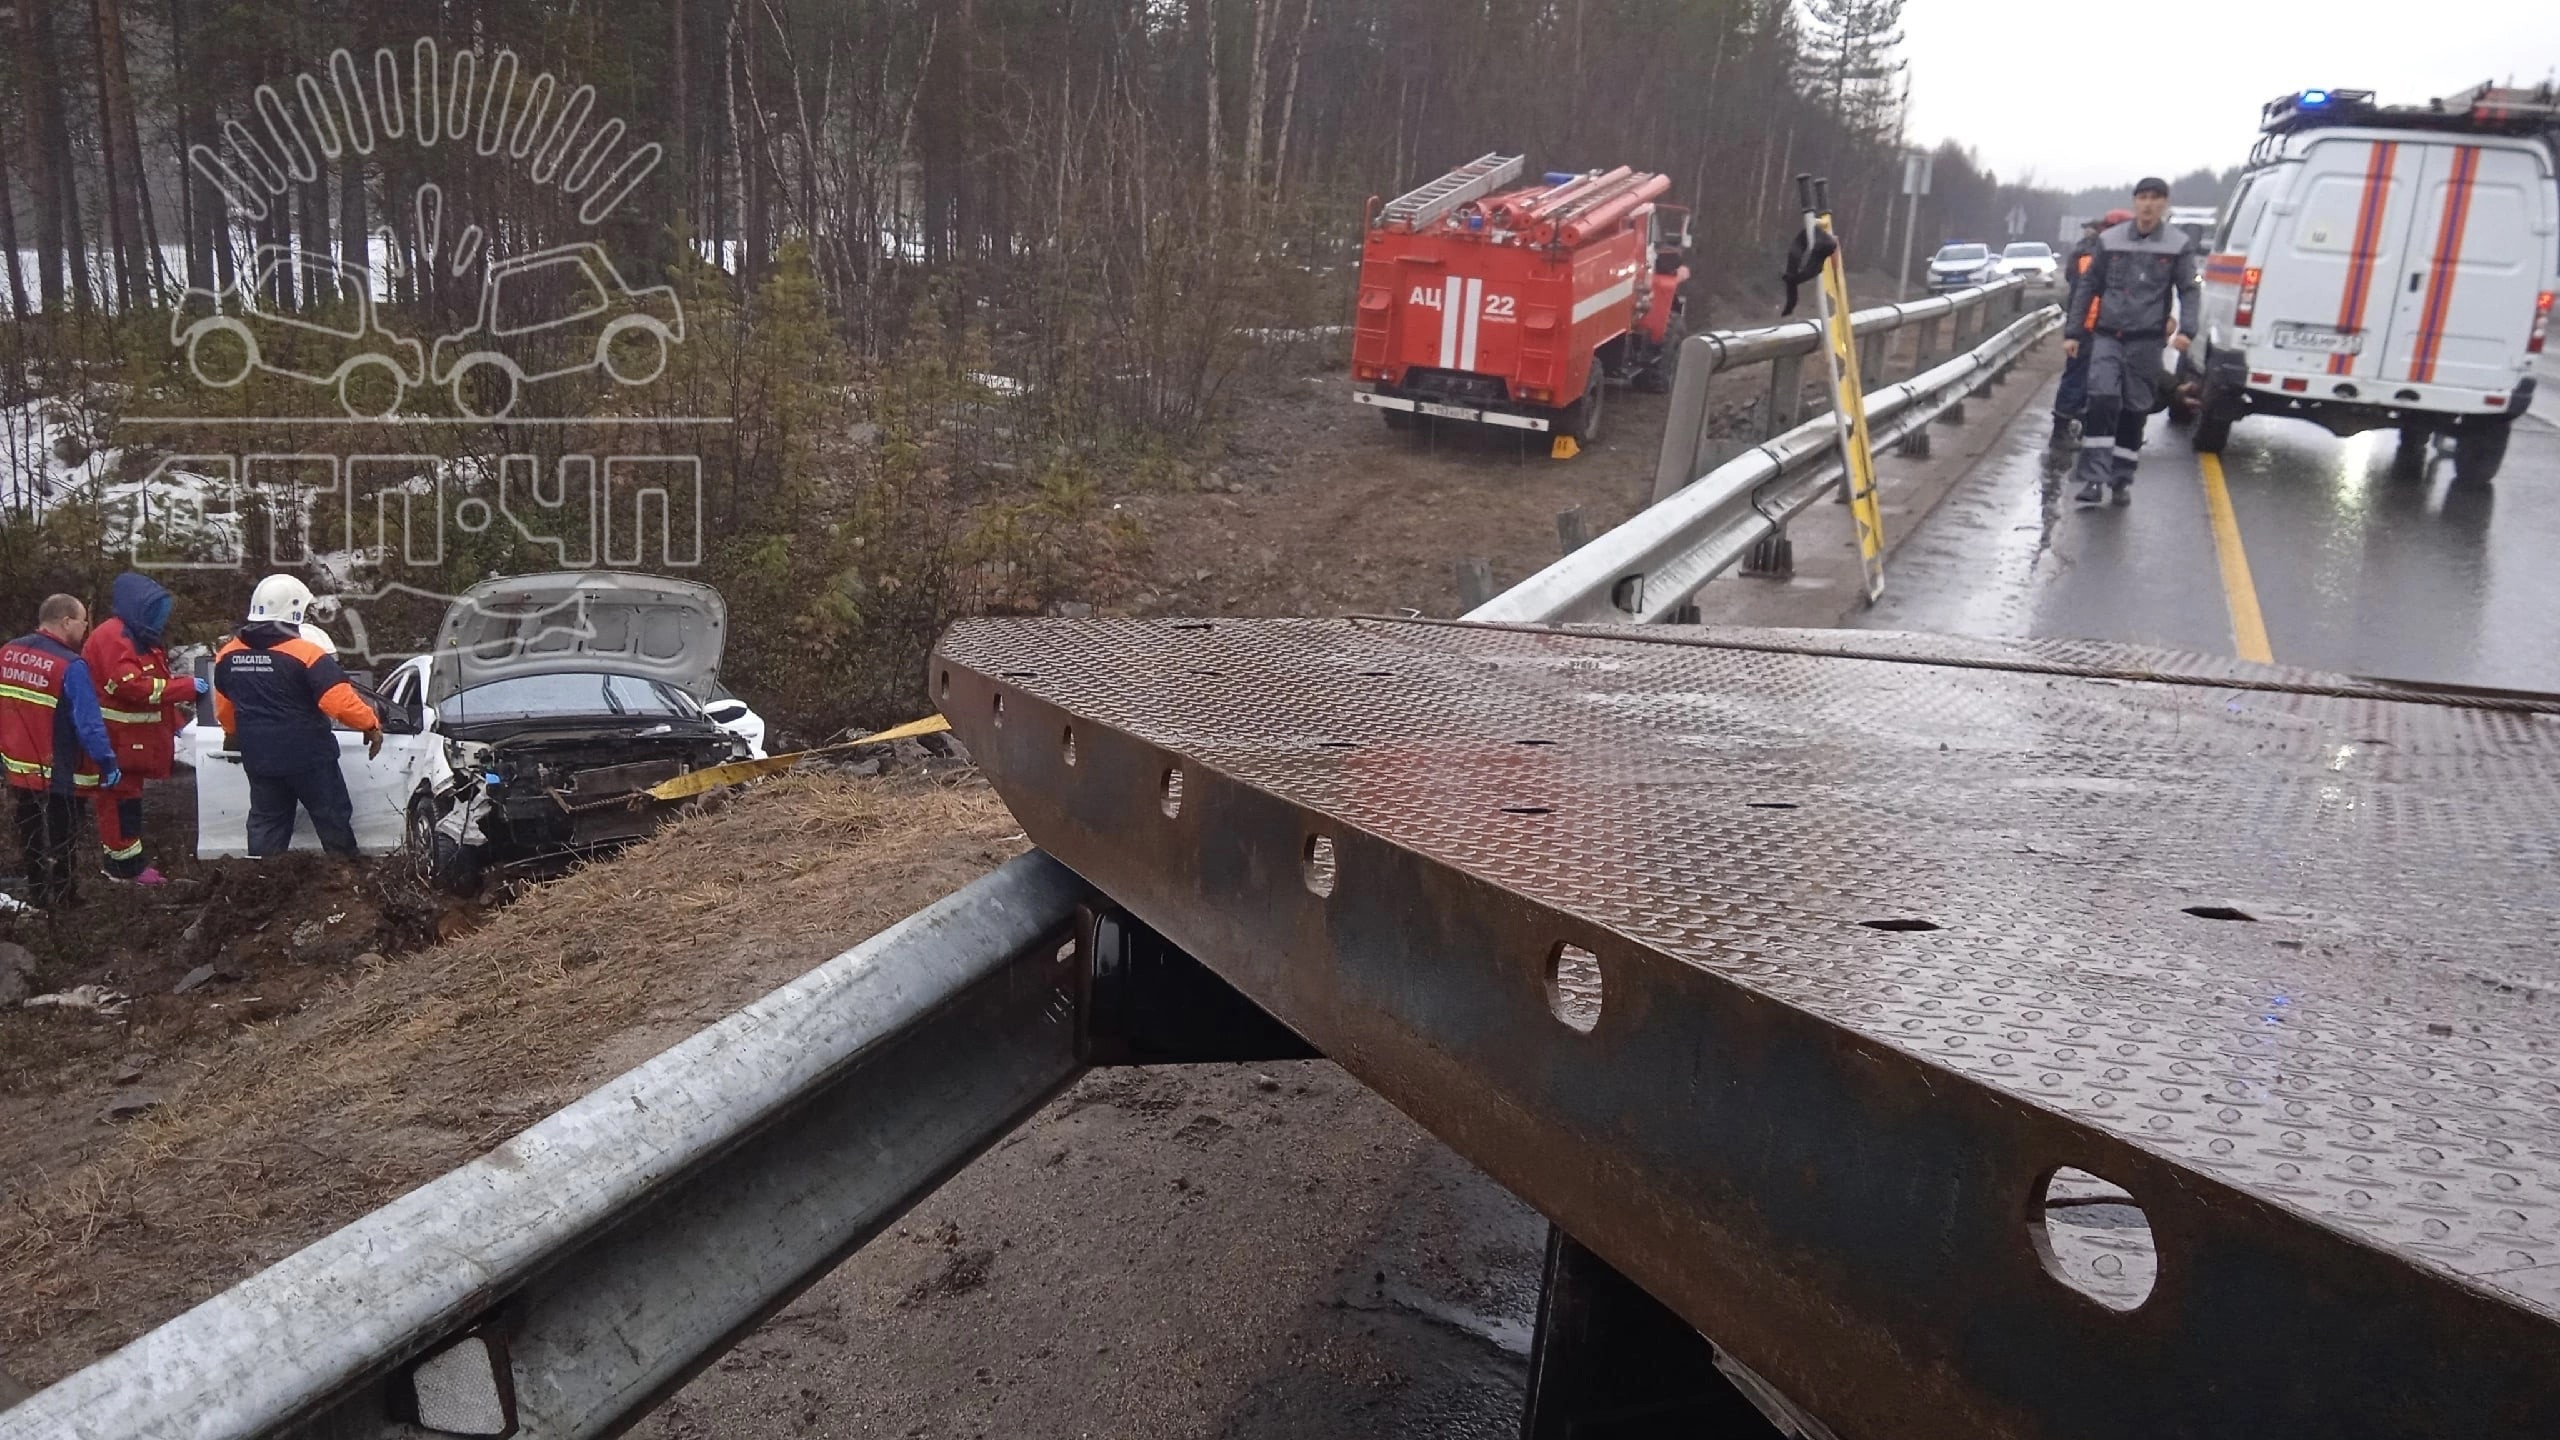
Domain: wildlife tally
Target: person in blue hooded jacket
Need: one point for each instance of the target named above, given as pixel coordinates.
(144, 708)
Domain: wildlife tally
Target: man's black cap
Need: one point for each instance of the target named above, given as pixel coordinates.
(2094, 222)
(2151, 185)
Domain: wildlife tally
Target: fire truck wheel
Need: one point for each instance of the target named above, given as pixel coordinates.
(1584, 417)
(1655, 379)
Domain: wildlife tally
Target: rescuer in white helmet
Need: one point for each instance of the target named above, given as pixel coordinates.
(276, 694)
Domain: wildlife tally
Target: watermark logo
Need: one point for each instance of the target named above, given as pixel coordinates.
(540, 330)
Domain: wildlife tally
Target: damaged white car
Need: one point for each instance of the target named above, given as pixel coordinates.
(532, 732)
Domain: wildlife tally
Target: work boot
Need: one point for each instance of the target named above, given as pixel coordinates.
(2091, 493)
(149, 878)
(2062, 436)
(2124, 492)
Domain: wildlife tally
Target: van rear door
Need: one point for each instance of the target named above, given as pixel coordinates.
(2478, 253)
(2325, 297)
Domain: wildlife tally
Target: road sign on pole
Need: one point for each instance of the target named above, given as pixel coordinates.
(1915, 183)
(2017, 221)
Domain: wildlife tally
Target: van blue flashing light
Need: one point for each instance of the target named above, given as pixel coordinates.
(2313, 99)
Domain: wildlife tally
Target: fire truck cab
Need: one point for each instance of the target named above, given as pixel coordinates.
(2387, 267)
(1487, 301)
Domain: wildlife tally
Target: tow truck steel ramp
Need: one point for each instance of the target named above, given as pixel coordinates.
(1820, 1132)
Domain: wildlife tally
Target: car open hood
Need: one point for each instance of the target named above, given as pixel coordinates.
(581, 621)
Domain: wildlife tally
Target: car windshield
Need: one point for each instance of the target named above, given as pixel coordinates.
(580, 696)
(1955, 253)
(2029, 251)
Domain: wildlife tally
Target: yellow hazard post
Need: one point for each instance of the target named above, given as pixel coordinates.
(1848, 395)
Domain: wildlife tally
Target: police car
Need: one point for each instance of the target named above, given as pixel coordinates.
(2388, 267)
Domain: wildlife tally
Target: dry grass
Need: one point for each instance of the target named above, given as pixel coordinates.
(302, 1125)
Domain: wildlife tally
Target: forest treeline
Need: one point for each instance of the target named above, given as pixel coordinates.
(868, 202)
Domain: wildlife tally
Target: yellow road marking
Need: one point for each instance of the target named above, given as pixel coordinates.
(2248, 626)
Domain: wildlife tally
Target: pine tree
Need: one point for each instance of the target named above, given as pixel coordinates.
(1850, 67)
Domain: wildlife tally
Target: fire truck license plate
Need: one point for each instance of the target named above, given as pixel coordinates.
(2312, 337)
(1445, 412)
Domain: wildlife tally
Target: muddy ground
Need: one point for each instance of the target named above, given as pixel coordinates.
(1234, 1251)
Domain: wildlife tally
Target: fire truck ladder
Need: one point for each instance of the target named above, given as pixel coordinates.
(1474, 180)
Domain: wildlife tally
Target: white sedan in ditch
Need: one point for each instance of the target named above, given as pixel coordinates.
(550, 703)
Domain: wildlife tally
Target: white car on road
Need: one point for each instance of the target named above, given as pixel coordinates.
(2035, 260)
(1962, 265)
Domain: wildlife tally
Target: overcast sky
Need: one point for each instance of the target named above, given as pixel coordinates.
(2048, 88)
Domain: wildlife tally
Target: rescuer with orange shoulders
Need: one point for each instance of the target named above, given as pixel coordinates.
(275, 694)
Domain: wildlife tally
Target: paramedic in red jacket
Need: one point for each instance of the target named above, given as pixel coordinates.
(275, 694)
(52, 743)
(144, 706)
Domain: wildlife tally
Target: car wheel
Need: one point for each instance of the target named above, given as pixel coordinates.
(222, 353)
(2410, 453)
(2214, 418)
(371, 387)
(447, 863)
(633, 350)
(484, 387)
(2477, 454)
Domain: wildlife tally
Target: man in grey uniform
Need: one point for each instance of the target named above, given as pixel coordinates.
(2120, 311)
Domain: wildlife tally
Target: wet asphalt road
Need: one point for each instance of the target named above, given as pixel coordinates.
(2354, 567)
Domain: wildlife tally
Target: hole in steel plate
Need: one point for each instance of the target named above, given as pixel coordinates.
(999, 708)
(1533, 742)
(1169, 791)
(2220, 912)
(946, 684)
(1320, 867)
(1772, 804)
(1067, 743)
(1573, 986)
(1019, 674)
(1337, 744)
(1902, 925)
(1209, 674)
(1191, 624)
(1527, 810)
(1377, 674)
(2094, 1237)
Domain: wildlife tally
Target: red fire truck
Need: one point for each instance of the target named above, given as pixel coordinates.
(1485, 300)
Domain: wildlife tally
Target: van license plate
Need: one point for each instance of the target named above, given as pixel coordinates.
(2326, 342)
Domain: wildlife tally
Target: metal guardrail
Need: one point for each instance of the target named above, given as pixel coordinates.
(578, 1274)
(1645, 570)
(568, 1281)
(1948, 324)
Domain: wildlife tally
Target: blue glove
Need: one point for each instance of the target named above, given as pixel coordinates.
(112, 778)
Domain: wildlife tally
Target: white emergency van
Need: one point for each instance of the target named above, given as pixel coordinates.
(2387, 268)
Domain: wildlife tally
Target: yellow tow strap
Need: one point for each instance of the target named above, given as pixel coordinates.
(703, 781)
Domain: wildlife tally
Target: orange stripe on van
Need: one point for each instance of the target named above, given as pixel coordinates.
(2369, 213)
(2448, 259)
